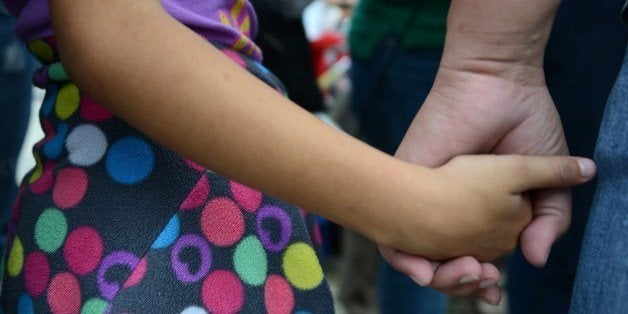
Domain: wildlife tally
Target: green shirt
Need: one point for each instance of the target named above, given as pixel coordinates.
(374, 19)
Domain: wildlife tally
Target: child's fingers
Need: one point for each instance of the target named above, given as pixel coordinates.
(552, 171)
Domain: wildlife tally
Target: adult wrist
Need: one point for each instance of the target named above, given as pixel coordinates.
(504, 38)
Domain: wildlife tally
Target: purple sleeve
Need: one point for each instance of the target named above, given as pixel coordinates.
(230, 23)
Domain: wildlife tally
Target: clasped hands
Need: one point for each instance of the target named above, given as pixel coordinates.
(480, 113)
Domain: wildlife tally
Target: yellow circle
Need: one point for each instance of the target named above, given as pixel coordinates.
(301, 266)
(42, 50)
(67, 101)
(16, 258)
(39, 169)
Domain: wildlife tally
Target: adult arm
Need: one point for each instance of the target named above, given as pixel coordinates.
(490, 97)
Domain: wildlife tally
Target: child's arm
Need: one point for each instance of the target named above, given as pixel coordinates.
(175, 87)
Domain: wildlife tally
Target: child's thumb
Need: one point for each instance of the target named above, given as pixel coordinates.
(554, 171)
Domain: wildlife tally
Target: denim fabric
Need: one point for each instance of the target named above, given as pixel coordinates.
(602, 279)
(388, 90)
(16, 66)
(583, 57)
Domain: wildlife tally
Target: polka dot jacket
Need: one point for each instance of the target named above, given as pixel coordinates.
(111, 222)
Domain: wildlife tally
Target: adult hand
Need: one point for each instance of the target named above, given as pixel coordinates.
(490, 96)
(478, 113)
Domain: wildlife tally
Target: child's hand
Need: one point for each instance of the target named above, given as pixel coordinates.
(479, 205)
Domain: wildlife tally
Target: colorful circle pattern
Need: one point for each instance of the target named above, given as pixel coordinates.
(230, 242)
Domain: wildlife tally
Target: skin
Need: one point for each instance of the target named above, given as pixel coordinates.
(490, 96)
(184, 99)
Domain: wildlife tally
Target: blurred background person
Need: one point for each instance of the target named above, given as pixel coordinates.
(287, 54)
(395, 48)
(582, 60)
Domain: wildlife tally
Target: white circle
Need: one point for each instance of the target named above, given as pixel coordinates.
(194, 310)
(86, 145)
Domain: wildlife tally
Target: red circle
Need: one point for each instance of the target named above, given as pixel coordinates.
(69, 188)
(64, 294)
(137, 275)
(278, 295)
(44, 182)
(36, 273)
(222, 292)
(92, 111)
(83, 250)
(222, 222)
(248, 198)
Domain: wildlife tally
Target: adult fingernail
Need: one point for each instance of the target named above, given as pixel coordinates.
(545, 258)
(486, 283)
(587, 167)
(468, 279)
(487, 301)
(421, 283)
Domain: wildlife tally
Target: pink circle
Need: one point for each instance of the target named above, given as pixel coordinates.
(44, 182)
(69, 188)
(278, 295)
(194, 165)
(92, 111)
(52, 42)
(64, 294)
(222, 292)
(316, 234)
(249, 199)
(15, 212)
(83, 250)
(198, 195)
(137, 275)
(36, 273)
(222, 222)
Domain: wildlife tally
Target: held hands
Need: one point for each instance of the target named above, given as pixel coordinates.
(478, 204)
(490, 97)
(475, 112)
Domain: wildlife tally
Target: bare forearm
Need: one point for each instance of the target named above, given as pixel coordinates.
(502, 37)
(176, 88)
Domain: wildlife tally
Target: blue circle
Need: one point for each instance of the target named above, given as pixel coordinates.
(130, 160)
(49, 100)
(54, 147)
(25, 305)
(168, 235)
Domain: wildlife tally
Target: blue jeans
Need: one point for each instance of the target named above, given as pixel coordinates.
(583, 57)
(388, 90)
(16, 67)
(602, 279)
